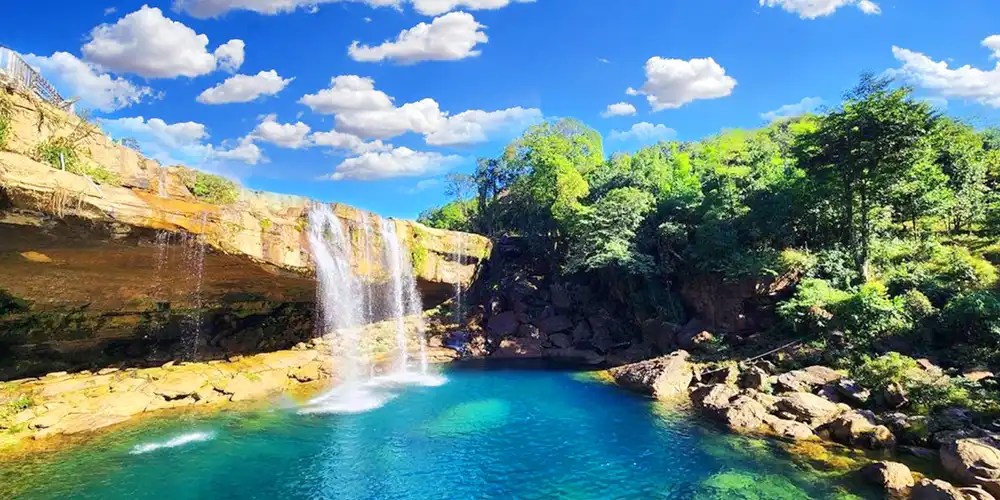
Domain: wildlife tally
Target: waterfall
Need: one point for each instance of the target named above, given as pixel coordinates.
(339, 292)
(347, 304)
(460, 258)
(194, 260)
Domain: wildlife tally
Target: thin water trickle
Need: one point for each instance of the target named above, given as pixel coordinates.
(369, 267)
(397, 304)
(194, 259)
(459, 289)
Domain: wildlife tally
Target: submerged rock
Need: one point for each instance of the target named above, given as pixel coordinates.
(665, 377)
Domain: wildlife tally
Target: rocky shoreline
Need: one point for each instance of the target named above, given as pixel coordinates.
(817, 403)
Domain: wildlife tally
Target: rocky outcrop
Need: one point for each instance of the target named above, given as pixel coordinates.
(808, 408)
(807, 379)
(893, 477)
(937, 489)
(857, 428)
(974, 461)
(666, 377)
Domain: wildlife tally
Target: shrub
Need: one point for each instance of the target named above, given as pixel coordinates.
(812, 304)
(52, 150)
(888, 369)
(836, 266)
(917, 306)
(973, 318)
(796, 261)
(870, 314)
(212, 188)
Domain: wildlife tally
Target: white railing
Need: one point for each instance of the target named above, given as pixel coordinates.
(15, 71)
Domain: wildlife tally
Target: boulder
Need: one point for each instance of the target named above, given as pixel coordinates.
(308, 372)
(858, 428)
(582, 332)
(560, 340)
(665, 377)
(851, 393)
(714, 398)
(554, 324)
(976, 493)
(974, 461)
(503, 324)
(894, 477)
(660, 333)
(935, 490)
(518, 348)
(789, 428)
(560, 298)
(744, 414)
(694, 340)
(754, 378)
(808, 408)
(807, 379)
(529, 332)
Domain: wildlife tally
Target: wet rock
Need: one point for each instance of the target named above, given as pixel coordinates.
(789, 428)
(308, 372)
(178, 385)
(807, 379)
(974, 461)
(554, 324)
(754, 378)
(894, 477)
(560, 340)
(937, 489)
(518, 348)
(808, 408)
(917, 451)
(665, 377)
(503, 324)
(633, 354)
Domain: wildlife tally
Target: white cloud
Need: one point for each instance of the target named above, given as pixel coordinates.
(645, 133)
(475, 126)
(347, 142)
(811, 9)
(348, 93)
(437, 7)
(230, 55)
(964, 82)
(148, 44)
(603, 60)
(171, 135)
(993, 43)
(204, 9)
(286, 135)
(246, 151)
(399, 162)
(244, 88)
(423, 185)
(110, 10)
(450, 37)
(98, 90)
(363, 111)
(806, 105)
(672, 83)
(619, 109)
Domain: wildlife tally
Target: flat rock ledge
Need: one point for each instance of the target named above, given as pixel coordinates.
(67, 404)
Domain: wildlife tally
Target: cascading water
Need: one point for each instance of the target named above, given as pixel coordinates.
(347, 303)
(194, 260)
(460, 258)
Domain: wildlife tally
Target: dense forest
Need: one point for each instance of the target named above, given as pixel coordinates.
(886, 210)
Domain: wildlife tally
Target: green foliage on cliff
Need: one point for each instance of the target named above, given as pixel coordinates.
(62, 151)
(212, 188)
(886, 208)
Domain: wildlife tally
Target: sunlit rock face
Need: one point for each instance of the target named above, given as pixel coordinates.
(121, 270)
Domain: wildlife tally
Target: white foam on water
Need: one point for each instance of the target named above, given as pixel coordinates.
(411, 378)
(183, 439)
(348, 400)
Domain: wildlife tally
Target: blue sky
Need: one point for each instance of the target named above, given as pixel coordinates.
(237, 86)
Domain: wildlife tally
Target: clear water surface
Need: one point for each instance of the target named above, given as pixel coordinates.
(512, 434)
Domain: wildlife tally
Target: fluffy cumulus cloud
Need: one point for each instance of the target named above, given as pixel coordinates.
(811, 9)
(148, 44)
(645, 133)
(213, 8)
(473, 127)
(348, 93)
(993, 43)
(965, 82)
(437, 7)
(806, 105)
(619, 109)
(95, 89)
(244, 88)
(179, 143)
(346, 142)
(450, 37)
(362, 110)
(672, 83)
(399, 162)
(287, 135)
